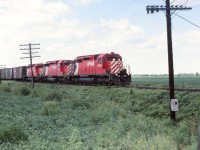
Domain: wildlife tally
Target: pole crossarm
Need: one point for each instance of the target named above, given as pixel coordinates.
(23, 45)
(30, 53)
(168, 8)
(24, 49)
(157, 8)
(35, 48)
(35, 56)
(24, 57)
(35, 44)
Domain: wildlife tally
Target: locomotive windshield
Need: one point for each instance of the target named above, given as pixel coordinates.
(66, 63)
(39, 66)
(112, 58)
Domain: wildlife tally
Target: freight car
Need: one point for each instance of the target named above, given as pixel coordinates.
(6, 74)
(103, 69)
(20, 73)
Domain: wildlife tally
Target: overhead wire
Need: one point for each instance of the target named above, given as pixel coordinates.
(188, 21)
(129, 3)
(173, 1)
(178, 11)
(122, 7)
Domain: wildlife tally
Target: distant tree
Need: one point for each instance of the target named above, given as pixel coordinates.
(197, 74)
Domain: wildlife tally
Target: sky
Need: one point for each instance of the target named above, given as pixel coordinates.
(66, 29)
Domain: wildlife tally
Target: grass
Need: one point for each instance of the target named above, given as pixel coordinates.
(97, 118)
(162, 81)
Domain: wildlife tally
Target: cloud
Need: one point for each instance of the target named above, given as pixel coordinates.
(64, 37)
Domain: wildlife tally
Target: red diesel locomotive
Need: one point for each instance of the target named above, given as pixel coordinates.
(100, 69)
(106, 69)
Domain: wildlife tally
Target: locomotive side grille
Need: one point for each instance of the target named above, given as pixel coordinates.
(116, 67)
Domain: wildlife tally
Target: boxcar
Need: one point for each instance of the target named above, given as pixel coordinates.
(19, 73)
(8, 74)
(3, 74)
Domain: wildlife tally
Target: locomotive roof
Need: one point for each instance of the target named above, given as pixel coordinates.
(56, 61)
(101, 54)
(87, 56)
(52, 62)
(35, 64)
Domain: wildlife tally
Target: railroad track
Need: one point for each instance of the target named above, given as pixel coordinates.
(143, 87)
(130, 86)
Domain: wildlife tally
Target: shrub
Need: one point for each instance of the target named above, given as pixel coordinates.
(35, 93)
(11, 134)
(80, 104)
(52, 96)
(6, 89)
(131, 91)
(49, 108)
(22, 90)
(183, 135)
(100, 116)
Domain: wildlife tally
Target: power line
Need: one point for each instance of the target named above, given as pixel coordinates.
(187, 21)
(122, 7)
(173, 1)
(179, 11)
(128, 4)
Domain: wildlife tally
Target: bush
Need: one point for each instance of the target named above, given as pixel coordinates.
(35, 93)
(80, 104)
(182, 134)
(22, 90)
(49, 108)
(6, 89)
(52, 96)
(11, 134)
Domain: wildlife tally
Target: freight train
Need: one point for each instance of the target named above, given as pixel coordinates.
(102, 69)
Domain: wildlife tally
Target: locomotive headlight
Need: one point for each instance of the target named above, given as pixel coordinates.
(116, 74)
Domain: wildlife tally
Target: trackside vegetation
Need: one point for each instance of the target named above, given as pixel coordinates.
(162, 81)
(68, 117)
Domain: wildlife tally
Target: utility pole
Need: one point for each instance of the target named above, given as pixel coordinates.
(30, 53)
(168, 9)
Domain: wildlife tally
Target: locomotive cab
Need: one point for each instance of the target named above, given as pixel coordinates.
(112, 63)
(37, 71)
(119, 75)
(63, 66)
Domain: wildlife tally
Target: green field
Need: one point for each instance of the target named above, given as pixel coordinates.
(61, 117)
(162, 81)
